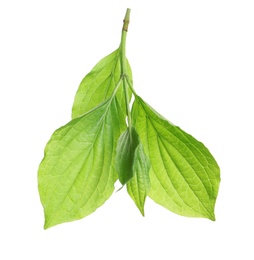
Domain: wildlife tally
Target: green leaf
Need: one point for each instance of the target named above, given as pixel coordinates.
(99, 84)
(138, 187)
(84, 158)
(125, 150)
(77, 173)
(184, 176)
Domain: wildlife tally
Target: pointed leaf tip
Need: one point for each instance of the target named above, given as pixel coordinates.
(77, 175)
(184, 175)
(139, 186)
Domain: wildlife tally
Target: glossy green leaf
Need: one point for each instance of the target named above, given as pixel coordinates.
(184, 176)
(139, 186)
(77, 173)
(125, 151)
(99, 84)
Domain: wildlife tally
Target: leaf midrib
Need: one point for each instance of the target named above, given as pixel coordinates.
(160, 136)
(92, 145)
(111, 75)
(150, 119)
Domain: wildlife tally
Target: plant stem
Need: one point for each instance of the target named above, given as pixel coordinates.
(126, 20)
(123, 63)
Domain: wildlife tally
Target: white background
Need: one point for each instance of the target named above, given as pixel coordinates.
(193, 61)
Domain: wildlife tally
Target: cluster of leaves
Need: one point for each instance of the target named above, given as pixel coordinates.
(151, 156)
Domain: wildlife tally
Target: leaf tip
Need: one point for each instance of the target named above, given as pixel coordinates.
(141, 209)
(211, 216)
(47, 224)
(142, 212)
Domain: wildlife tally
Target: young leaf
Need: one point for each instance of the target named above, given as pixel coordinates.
(139, 186)
(77, 173)
(185, 176)
(99, 84)
(125, 151)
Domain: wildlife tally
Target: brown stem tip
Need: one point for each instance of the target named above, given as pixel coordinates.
(126, 20)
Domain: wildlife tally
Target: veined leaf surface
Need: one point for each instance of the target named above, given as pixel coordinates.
(125, 151)
(184, 176)
(99, 84)
(139, 185)
(77, 173)
(153, 157)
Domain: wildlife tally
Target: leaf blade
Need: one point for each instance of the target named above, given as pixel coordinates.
(99, 84)
(139, 186)
(184, 176)
(125, 150)
(77, 175)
